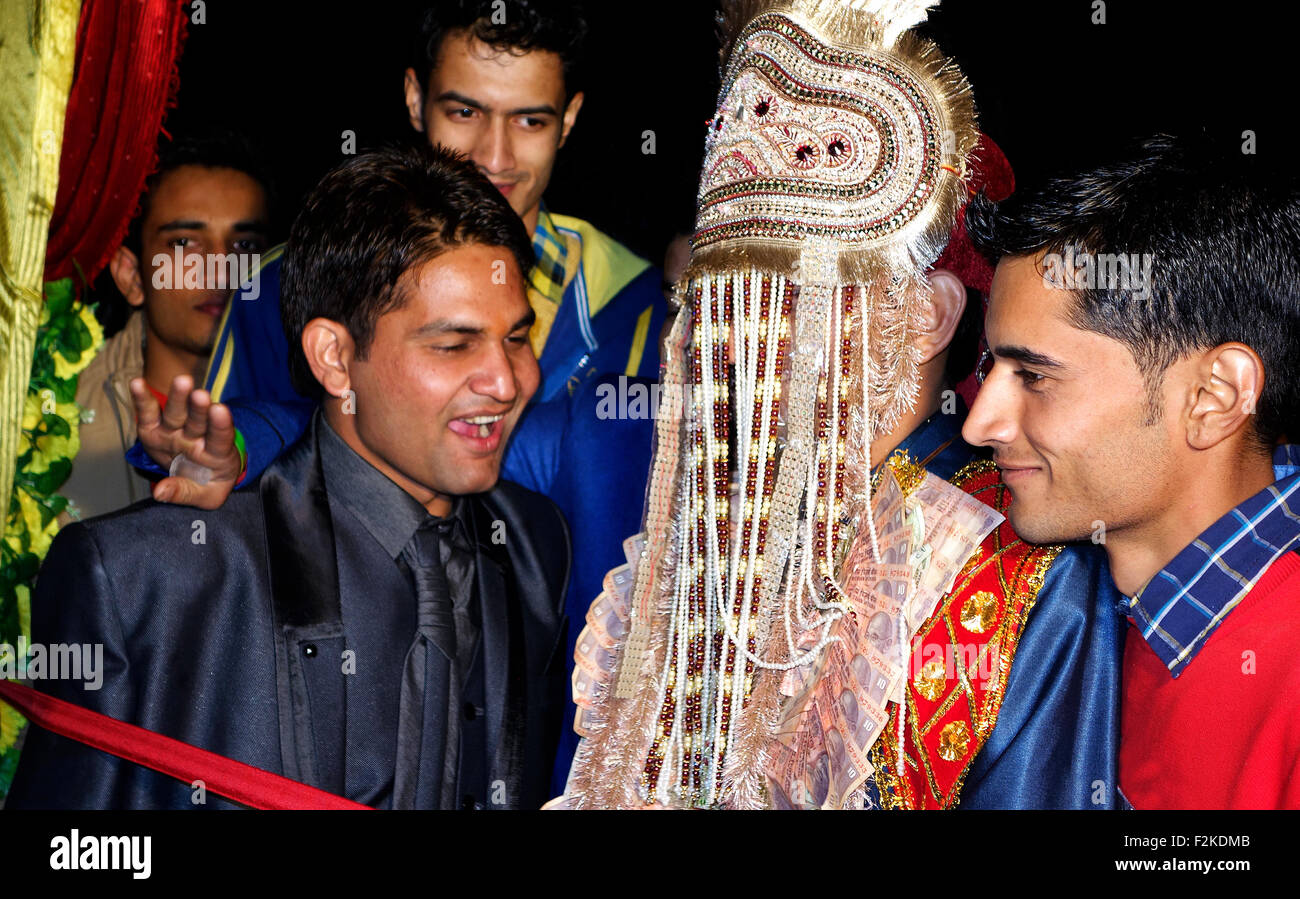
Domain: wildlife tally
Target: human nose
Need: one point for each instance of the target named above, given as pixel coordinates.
(493, 151)
(495, 377)
(993, 415)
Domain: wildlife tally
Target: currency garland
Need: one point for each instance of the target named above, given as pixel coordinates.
(66, 341)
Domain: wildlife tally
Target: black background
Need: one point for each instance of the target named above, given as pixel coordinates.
(1051, 88)
(745, 855)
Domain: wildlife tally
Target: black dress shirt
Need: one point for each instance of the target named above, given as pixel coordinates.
(374, 521)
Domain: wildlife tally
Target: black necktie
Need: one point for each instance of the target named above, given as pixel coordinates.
(428, 729)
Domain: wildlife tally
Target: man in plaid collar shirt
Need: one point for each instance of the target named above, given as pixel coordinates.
(1145, 329)
(501, 83)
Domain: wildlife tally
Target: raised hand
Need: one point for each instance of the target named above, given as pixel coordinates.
(193, 438)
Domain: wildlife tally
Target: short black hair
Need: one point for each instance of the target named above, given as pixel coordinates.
(512, 26)
(1221, 231)
(212, 148)
(368, 222)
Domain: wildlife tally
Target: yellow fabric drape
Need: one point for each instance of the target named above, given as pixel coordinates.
(38, 46)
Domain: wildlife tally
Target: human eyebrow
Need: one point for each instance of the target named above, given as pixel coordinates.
(1026, 356)
(525, 322)
(451, 326)
(182, 225)
(257, 226)
(548, 109)
(439, 328)
(453, 97)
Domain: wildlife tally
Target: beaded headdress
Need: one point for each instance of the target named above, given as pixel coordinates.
(833, 175)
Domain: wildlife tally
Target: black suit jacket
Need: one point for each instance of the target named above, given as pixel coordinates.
(206, 616)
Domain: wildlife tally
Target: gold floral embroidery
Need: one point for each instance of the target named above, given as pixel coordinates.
(979, 612)
(954, 740)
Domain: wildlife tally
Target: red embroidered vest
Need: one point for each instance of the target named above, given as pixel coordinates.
(961, 657)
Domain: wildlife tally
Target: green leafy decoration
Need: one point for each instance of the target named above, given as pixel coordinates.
(66, 341)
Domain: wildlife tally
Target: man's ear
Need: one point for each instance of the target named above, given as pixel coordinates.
(941, 314)
(330, 351)
(125, 268)
(570, 116)
(414, 100)
(1228, 382)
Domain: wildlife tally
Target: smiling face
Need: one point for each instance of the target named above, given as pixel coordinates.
(202, 211)
(505, 111)
(446, 377)
(1066, 414)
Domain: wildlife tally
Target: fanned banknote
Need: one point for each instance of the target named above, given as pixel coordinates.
(599, 642)
(837, 705)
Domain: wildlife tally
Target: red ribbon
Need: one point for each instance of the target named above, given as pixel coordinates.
(226, 777)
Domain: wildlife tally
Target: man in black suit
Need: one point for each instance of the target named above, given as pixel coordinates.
(379, 617)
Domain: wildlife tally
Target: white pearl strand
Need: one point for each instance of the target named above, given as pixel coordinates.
(744, 346)
(714, 577)
(793, 599)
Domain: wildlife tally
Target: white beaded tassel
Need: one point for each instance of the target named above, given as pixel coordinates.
(864, 318)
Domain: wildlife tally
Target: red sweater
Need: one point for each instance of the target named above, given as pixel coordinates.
(1226, 733)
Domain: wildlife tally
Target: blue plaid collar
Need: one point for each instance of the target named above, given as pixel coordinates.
(1188, 599)
(548, 274)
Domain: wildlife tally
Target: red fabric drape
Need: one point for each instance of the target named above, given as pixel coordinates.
(127, 51)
